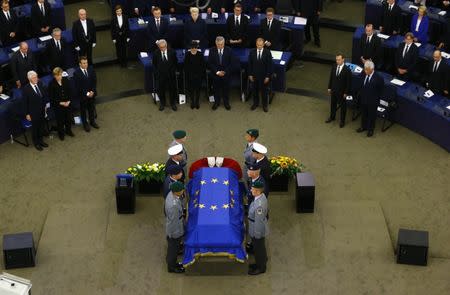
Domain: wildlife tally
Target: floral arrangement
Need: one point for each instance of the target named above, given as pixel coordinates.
(147, 172)
(281, 165)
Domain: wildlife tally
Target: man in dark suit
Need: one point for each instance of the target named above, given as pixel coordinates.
(157, 28)
(311, 10)
(390, 19)
(9, 25)
(406, 58)
(220, 65)
(21, 63)
(174, 174)
(369, 98)
(370, 46)
(270, 30)
(120, 32)
(35, 97)
(437, 78)
(143, 7)
(41, 15)
(86, 91)
(260, 70)
(237, 28)
(56, 50)
(338, 88)
(84, 35)
(165, 64)
(444, 40)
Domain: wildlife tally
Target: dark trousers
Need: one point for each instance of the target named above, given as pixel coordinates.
(63, 120)
(121, 51)
(259, 249)
(37, 130)
(194, 88)
(86, 50)
(368, 116)
(221, 89)
(173, 246)
(260, 88)
(335, 100)
(87, 105)
(167, 84)
(313, 21)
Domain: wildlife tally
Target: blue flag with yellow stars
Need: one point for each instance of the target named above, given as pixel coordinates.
(215, 225)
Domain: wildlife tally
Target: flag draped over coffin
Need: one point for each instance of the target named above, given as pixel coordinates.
(215, 225)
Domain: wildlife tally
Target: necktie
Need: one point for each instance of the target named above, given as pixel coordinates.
(25, 56)
(368, 39)
(259, 54)
(220, 56)
(390, 8)
(85, 73)
(58, 46)
(37, 90)
(270, 24)
(157, 24)
(164, 56)
(237, 22)
(405, 51)
(435, 67)
(338, 70)
(8, 16)
(366, 80)
(42, 9)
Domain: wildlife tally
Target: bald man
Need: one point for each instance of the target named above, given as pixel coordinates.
(84, 35)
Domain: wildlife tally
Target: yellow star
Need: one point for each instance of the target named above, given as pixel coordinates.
(202, 182)
(201, 206)
(226, 182)
(231, 192)
(197, 192)
(225, 206)
(213, 207)
(214, 180)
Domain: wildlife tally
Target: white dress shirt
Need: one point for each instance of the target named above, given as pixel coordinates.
(84, 24)
(120, 21)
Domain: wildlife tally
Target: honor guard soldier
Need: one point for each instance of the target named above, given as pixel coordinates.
(174, 173)
(176, 158)
(258, 228)
(254, 175)
(259, 154)
(174, 226)
(179, 137)
(250, 136)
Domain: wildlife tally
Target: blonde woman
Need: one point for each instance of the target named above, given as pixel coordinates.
(419, 25)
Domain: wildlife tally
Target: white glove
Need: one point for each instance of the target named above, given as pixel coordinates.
(114, 41)
(211, 162)
(128, 40)
(77, 48)
(93, 45)
(219, 161)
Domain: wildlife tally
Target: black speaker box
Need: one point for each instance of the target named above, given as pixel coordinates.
(305, 193)
(412, 247)
(125, 199)
(19, 250)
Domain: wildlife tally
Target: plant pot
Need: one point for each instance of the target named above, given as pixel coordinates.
(151, 187)
(279, 183)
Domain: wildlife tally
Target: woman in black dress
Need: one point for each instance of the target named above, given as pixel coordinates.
(60, 98)
(120, 33)
(194, 70)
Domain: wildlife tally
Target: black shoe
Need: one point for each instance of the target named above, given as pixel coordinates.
(61, 137)
(255, 271)
(249, 248)
(174, 108)
(93, 124)
(265, 109)
(307, 41)
(360, 129)
(215, 106)
(227, 107)
(38, 147)
(252, 266)
(86, 128)
(192, 106)
(254, 107)
(161, 107)
(317, 43)
(329, 120)
(197, 106)
(177, 270)
(370, 133)
(43, 144)
(70, 133)
(342, 124)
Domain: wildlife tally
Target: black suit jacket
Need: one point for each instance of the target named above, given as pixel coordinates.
(194, 66)
(80, 39)
(214, 64)
(165, 69)
(154, 34)
(260, 69)
(120, 32)
(59, 93)
(370, 50)
(272, 35)
(20, 66)
(55, 56)
(310, 8)
(34, 104)
(438, 81)
(6, 27)
(39, 21)
(340, 84)
(409, 61)
(195, 31)
(85, 84)
(370, 94)
(390, 20)
(237, 32)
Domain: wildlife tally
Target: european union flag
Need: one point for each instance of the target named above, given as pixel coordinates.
(215, 225)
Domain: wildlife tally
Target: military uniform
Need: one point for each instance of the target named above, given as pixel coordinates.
(174, 229)
(258, 230)
(248, 152)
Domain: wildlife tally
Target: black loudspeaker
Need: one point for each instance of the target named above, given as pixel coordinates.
(125, 195)
(305, 192)
(19, 250)
(412, 247)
